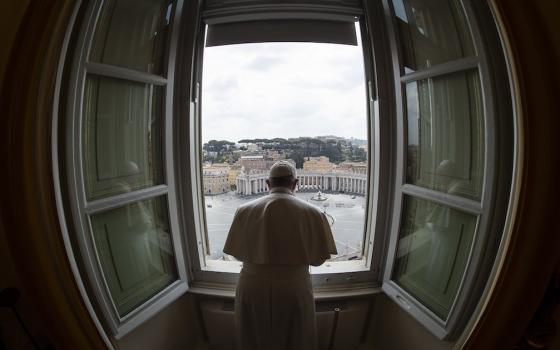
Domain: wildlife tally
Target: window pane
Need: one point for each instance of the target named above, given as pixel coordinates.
(121, 136)
(433, 248)
(132, 34)
(135, 251)
(432, 32)
(446, 134)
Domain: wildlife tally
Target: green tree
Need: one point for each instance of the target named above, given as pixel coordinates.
(298, 158)
(217, 146)
(332, 151)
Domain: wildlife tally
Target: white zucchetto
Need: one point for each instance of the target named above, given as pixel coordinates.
(282, 169)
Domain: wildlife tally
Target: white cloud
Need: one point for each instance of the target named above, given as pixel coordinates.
(283, 90)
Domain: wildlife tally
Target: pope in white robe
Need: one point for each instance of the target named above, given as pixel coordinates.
(277, 237)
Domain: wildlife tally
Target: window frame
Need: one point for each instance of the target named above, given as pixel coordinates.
(481, 257)
(71, 157)
(386, 177)
(225, 276)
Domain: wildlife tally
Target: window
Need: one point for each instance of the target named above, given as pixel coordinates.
(433, 190)
(304, 102)
(119, 171)
(446, 163)
(292, 41)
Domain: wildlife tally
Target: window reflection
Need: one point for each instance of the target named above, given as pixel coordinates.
(121, 135)
(432, 32)
(135, 251)
(446, 134)
(132, 34)
(433, 248)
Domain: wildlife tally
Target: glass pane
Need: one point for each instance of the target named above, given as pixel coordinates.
(432, 32)
(433, 248)
(121, 136)
(135, 251)
(446, 134)
(132, 34)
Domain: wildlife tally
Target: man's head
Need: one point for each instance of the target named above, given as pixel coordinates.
(282, 174)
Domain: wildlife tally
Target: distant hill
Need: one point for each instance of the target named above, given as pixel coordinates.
(336, 148)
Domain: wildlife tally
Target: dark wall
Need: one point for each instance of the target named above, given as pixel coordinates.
(532, 33)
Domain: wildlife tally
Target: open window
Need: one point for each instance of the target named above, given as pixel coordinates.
(450, 160)
(421, 190)
(119, 170)
(294, 89)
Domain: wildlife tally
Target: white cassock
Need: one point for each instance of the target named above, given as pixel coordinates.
(277, 237)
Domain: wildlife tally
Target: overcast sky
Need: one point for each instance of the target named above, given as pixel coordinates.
(284, 90)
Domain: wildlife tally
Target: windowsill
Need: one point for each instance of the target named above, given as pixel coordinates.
(320, 293)
(223, 266)
(339, 267)
(328, 267)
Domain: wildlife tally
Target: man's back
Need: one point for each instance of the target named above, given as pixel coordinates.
(277, 237)
(280, 229)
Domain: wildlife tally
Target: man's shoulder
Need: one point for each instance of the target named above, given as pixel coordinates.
(283, 199)
(253, 203)
(303, 205)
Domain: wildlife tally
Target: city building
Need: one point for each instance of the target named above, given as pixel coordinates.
(330, 138)
(257, 162)
(275, 155)
(321, 163)
(261, 161)
(253, 147)
(251, 181)
(215, 180)
(233, 171)
(353, 167)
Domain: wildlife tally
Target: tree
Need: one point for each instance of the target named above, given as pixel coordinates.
(298, 158)
(333, 153)
(217, 146)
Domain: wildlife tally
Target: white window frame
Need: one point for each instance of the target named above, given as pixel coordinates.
(489, 227)
(348, 275)
(79, 230)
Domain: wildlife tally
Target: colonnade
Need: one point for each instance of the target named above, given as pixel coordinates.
(249, 184)
(345, 182)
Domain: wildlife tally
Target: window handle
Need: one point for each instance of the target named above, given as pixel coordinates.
(370, 91)
(197, 92)
(402, 300)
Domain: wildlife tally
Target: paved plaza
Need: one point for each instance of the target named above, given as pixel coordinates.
(346, 213)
